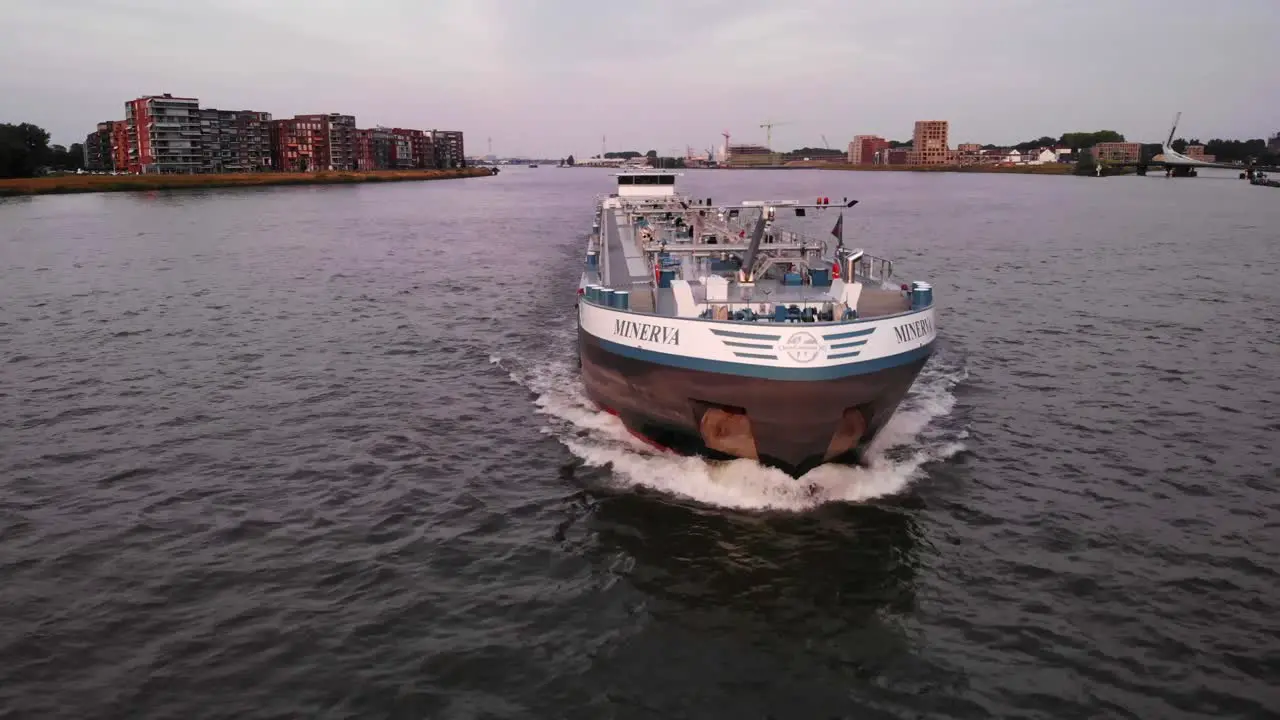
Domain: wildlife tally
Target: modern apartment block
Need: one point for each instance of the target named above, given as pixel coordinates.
(1121, 152)
(867, 149)
(447, 147)
(97, 149)
(163, 134)
(308, 143)
(929, 143)
(235, 140)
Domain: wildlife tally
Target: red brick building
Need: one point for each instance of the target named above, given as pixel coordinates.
(864, 148)
(309, 143)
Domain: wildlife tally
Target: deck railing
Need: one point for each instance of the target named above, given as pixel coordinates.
(876, 269)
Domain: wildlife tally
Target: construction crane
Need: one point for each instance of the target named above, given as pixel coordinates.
(768, 132)
(825, 143)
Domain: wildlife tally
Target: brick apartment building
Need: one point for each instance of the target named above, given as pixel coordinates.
(167, 134)
(97, 148)
(929, 143)
(234, 140)
(447, 146)
(308, 143)
(866, 149)
(163, 134)
(1119, 152)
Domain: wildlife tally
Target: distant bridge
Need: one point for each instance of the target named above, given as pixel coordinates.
(1178, 164)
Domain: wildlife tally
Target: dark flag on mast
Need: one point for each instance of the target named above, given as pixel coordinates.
(838, 231)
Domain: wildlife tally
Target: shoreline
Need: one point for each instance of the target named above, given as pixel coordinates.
(1046, 169)
(68, 184)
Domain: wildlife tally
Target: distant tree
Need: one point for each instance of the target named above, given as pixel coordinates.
(1085, 165)
(1179, 145)
(24, 149)
(664, 162)
(569, 161)
(1241, 151)
(624, 155)
(651, 154)
(808, 152)
(1080, 140)
(63, 158)
(1043, 141)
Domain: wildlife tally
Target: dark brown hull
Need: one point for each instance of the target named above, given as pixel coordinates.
(795, 425)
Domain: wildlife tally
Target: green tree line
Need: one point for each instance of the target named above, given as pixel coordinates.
(25, 152)
(1233, 150)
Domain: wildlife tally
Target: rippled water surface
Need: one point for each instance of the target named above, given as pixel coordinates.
(322, 452)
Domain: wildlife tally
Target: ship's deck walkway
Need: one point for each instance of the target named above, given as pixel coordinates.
(625, 264)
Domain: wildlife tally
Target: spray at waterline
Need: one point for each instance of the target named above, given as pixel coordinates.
(912, 438)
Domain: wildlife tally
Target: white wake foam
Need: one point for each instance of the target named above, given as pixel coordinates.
(910, 440)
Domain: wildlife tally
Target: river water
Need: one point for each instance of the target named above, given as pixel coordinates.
(321, 452)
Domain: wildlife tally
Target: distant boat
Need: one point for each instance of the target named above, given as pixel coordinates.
(533, 165)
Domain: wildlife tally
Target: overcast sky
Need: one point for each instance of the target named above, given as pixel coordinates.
(550, 77)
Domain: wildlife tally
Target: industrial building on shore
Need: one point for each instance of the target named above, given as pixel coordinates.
(167, 134)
